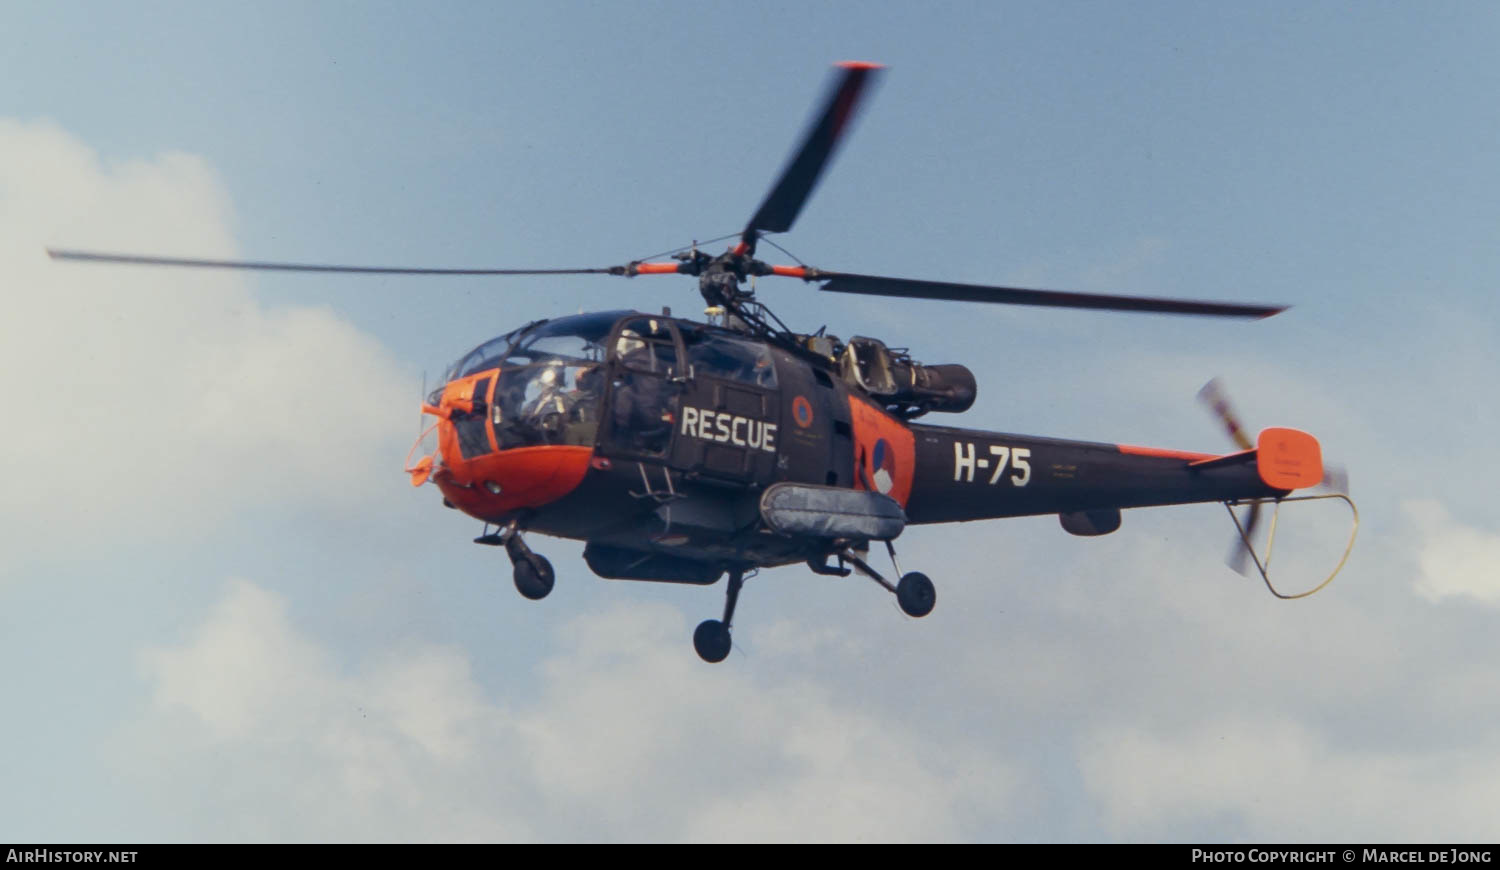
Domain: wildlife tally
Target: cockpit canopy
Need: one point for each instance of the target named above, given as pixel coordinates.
(548, 388)
(547, 382)
(579, 338)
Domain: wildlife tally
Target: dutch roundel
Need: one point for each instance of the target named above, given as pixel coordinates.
(883, 464)
(802, 412)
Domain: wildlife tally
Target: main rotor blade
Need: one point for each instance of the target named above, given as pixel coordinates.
(801, 174)
(131, 259)
(874, 285)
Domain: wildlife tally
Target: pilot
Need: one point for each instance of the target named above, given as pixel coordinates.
(763, 374)
(588, 386)
(640, 414)
(632, 350)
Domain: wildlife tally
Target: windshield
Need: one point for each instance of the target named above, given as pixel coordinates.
(551, 403)
(573, 338)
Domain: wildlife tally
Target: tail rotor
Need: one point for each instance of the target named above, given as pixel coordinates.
(1212, 395)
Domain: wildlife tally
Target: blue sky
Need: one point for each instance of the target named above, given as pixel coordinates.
(226, 616)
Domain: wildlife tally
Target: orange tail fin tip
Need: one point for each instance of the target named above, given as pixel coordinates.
(1289, 458)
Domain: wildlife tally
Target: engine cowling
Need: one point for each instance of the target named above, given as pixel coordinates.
(904, 384)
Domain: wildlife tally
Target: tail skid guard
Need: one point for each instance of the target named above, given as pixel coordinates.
(1264, 565)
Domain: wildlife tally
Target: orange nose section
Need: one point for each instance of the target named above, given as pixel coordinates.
(495, 484)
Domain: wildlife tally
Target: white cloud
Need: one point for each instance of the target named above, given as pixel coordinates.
(631, 738)
(258, 725)
(168, 397)
(1271, 778)
(1455, 560)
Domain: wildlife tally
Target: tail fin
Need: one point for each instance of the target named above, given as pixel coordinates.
(1288, 458)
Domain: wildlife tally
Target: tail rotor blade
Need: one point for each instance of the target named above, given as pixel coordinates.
(1336, 479)
(1212, 394)
(1239, 556)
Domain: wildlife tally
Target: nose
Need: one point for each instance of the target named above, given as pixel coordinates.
(491, 486)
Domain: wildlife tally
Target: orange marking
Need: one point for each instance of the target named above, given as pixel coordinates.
(1289, 458)
(421, 471)
(790, 271)
(459, 394)
(740, 249)
(1164, 453)
(872, 425)
(1243, 455)
(527, 477)
(859, 64)
(489, 401)
(655, 268)
(802, 412)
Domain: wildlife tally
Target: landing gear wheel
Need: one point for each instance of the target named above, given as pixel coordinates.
(534, 577)
(711, 640)
(915, 594)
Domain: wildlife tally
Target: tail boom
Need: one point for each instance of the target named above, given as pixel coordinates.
(965, 474)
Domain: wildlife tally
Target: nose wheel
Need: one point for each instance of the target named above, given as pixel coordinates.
(534, 577)
(532, 573)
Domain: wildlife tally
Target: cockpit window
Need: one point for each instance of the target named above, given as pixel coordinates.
(552, 403)
(567, 338)
(726, 356)
(486, 356)
(573, 338)
(646, 344)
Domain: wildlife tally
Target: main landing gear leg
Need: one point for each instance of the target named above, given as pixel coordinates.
(533, 574)
(914, 592)
(711, 638)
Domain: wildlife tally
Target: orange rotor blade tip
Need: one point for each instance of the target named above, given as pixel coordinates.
(655, 268)
(859, 64)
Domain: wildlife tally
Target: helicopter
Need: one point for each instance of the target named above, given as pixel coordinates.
(680, 450)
